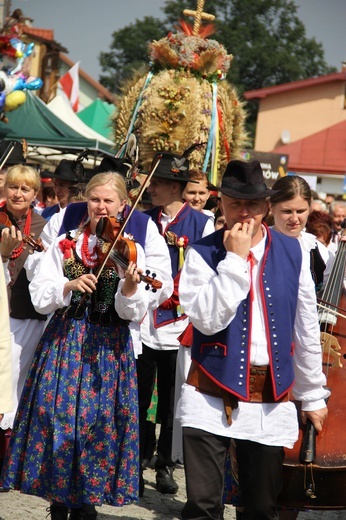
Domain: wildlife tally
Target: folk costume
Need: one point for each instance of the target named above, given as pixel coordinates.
(75, 437)
(145, 232)
(26, 324)
(6, 400)
(161, 327)
(247, 315)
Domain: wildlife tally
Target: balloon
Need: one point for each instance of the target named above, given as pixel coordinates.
(14, 100)
(30, 83)
(14, 78)
(2, 101)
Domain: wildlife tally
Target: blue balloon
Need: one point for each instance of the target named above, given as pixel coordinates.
(2, 100)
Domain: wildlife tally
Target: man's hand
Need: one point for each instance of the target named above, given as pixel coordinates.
(317, 417)
(238, 239)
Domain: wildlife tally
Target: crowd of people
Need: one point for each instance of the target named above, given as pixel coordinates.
(185, 301)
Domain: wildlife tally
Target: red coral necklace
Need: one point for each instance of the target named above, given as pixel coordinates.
(90, 259)
(26, 231)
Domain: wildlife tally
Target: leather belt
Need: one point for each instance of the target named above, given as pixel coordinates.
(260, 387)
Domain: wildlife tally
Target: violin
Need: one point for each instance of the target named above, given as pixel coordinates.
(35, 245)
(124, 251)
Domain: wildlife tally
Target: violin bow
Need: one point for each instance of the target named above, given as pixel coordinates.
(133, 207)
(7, 153)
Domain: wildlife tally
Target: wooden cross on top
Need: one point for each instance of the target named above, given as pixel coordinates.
(198, 15)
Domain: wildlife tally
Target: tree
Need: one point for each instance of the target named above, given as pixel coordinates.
(129, 51)
(266, 38)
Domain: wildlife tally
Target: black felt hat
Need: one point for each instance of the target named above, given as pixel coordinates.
(244, 180)
(119, 165)
(15, 151)
(68, 171)
(171, 166)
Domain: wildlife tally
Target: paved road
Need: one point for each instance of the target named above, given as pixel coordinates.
(153, 506)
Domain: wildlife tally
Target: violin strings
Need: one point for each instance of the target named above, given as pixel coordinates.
(331, 294)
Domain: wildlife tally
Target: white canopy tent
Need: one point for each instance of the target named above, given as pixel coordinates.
(62, 109)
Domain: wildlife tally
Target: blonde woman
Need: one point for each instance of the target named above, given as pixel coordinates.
(26, 324)
(75, 437)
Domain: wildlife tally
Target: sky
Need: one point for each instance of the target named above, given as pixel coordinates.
(85, 27)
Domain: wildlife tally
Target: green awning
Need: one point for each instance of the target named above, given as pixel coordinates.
(98, 115)
(37, 124)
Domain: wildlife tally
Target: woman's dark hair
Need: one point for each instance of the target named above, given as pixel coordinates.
(47, 192)
(319, 223)
(289, 187)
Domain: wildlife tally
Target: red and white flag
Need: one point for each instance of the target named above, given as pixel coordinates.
(69, 83)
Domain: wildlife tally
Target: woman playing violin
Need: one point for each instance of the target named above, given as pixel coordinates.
(76, 431)
(26, 324)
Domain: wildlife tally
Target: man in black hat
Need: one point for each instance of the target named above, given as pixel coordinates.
(179, 224)
(65, 177)
(249, 294)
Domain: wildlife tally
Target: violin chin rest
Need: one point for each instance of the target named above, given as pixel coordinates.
(100, 227)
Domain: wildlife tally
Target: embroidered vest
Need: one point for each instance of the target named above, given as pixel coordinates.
(18, 289)
(48, 212)
(224, 356)
(190, 223)
(100, 306)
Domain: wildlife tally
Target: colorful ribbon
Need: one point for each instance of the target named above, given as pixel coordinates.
(138, 104)
(213, 140)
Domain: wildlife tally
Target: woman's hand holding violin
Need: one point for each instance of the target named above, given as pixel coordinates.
(132, 279)
(11, 237)
(84, 284)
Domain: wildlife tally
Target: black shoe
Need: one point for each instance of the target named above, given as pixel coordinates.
(145, 463)
(87, 512)
(165, 482)
(58, 511)
(74, 514)
(141, 485)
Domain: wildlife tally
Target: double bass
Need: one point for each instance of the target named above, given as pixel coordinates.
(314, 473)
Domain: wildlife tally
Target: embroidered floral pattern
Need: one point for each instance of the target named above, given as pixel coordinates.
(75, 437)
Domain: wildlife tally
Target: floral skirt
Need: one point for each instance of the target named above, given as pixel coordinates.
(75, 436)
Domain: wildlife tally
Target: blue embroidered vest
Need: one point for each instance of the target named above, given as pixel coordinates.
(225, 356)
(77, 212)
(48, 212)
(190, 223)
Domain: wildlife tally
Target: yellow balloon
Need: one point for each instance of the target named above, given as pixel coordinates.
(14, 100)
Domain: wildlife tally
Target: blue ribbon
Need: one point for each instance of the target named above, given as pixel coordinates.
(212, 130)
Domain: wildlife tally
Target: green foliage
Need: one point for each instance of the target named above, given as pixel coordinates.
(266, 38)
(129, 51)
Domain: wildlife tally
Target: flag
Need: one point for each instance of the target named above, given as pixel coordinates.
(69, 83)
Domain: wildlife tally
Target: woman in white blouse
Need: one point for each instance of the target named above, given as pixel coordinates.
(75, 438)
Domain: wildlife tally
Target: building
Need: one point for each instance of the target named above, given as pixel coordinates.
(307, 121)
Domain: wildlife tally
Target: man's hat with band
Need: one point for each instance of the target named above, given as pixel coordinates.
(119, 165)
(72, 171)
(171, 166)
(244, 180)
(66, 171)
